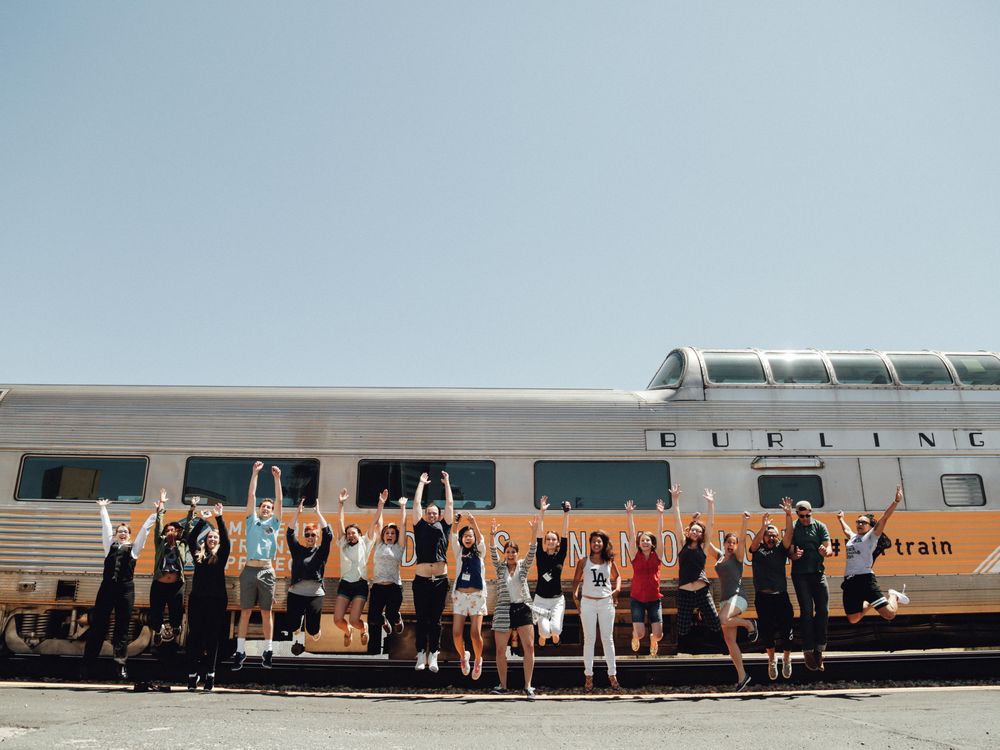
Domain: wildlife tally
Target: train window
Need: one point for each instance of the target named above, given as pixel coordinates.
(773, 488)
(797, 367)
(226, 480)
(120, 479)
(976, 369)
(473, 483)
(920, 369)
(860, 369)
(603, 485)
(734, 367)
(963, 489)
(670, 374)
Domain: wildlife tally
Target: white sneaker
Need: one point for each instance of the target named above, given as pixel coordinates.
(432, 661)
(786, 667)
(421, 664)
(772, 669)
(901, 597)
(465, 663)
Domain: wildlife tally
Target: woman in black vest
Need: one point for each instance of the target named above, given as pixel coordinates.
(209, 598)
(117, 591)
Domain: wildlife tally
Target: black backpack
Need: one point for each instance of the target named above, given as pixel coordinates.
(884, 543)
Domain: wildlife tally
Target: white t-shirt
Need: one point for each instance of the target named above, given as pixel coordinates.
(354, 558)
(859, 553)
(596, 579)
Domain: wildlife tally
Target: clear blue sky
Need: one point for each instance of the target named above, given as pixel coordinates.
(489, 194)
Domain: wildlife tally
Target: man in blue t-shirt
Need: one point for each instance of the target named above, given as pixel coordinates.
(257, 576)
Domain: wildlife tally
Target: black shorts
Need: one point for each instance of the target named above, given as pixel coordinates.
(352, 591)
(310, 607)
(860, 589)
(520, 615)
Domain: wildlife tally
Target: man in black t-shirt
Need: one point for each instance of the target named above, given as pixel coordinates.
(769, 554)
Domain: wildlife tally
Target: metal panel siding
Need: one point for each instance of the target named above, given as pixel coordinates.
(31, 538)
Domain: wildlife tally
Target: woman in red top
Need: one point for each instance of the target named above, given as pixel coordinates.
(646, 582)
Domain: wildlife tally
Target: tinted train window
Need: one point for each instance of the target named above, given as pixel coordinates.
(121, 480)
(797, 368)
(670, 374)
(920, 369)
(603, 485)
(734, 367)
(226, 480)
(473, 483)
(976, 369)
(860, 369)
(963, 489)
(772, 489)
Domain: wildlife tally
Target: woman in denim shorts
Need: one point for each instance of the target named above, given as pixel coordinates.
(645, 594)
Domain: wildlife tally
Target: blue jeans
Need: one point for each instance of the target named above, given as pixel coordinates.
(814, 599)
(641, 609)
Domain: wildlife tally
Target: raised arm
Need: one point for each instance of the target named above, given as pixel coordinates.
(710, 525)
(660, 508)
(566, 506)
(880, 526)
(843, 525)
(529, 559)
(160, 512)
(629, 513)
(449, 500)
(252, 492)
(140, 538)
(765, 520)
(223, 533)
(376, 526)
(418, 497)
(494, 558)
(675, 500)
(479, 534)
(543, 505)
(401, 536)
(279, 496)
(742, 543)
(322, 521)
(107, 532)
(339, 531)
(786, 539)
(294, 523)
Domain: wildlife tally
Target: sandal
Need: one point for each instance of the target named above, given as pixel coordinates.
(588, 684)
(364, 634)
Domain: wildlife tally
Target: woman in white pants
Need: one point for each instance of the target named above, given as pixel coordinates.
(549, 603)
(596, 585)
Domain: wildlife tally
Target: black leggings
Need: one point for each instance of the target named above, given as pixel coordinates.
(774, 619)
(310, 607)
(170, 595)
(206, 624)
(429, 595)
(384, 598)
(119, 597)
(814, 609)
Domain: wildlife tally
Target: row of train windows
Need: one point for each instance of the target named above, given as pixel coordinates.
(588, 485)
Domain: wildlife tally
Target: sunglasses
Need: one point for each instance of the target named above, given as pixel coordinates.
(309, 534)
(863, 522)
(804, 515)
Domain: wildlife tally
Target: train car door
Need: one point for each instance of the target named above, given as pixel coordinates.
(879, 477)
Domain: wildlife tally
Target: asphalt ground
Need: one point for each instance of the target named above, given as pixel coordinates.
(46, 715)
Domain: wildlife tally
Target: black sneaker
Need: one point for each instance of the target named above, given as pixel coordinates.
(265, 659)
(193, 682)
(209, 682)
(499, 690)
(399, 625)
(819, 660)
(238, 660)
(742, 684)
(754, 632)
(297, 648)
(809, 657)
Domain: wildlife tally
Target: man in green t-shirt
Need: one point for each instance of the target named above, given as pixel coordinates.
(813, 539)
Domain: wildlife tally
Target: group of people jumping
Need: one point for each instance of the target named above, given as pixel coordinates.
(596, 585)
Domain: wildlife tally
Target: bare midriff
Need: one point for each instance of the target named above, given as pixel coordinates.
(429, 570)
(693, 586)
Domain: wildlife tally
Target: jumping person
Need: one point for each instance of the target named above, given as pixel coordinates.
(693, 592)
(769, 554)
(257, 577)
(352, 591)
(209, 599)
(549, 602)
(430, 581)
(468, 593)
(729, 569)
(596, 585)
(306, 592)
(513, 607)
(861, 591)
(167, 588)
(117, 591)
(811, 589)
(387, 584)
(645, 595)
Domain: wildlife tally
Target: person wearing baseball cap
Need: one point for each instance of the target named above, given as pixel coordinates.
(811, 544)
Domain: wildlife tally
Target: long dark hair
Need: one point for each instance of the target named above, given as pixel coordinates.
(472, 551)
(607, 554)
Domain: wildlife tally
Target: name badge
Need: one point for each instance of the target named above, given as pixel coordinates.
(547, 576)
(466, 576)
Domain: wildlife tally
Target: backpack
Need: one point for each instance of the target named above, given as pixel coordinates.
(884, 543)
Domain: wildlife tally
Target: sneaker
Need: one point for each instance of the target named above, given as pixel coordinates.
(465, 663)
(238, 659)
(477, 669)
(387, 627)
(120, 659)
(499, 690)
(743, 684)
(123, 672)
(209, 682)
(754, 632)
(265, 659)
(193, 682)
(772, 669)
(529, 693)
(421, 664)
(819, 660)
(399, 625)
(786, 668)
(613, 682)
(635, 643)
(432, 661)
(166, 633)
(809, 657)
(298, 648)
(901, 597)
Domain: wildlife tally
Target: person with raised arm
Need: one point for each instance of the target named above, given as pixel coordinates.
(306, 592)
(117, 591)
(769, 553)
(209, 599)
(645, 594)
(860, 587)
(513, 606)
(729, 569)
(257, 577)
(811, 545)
(431, 531)
(596, 585)
(387, 584)
(468, 593)
(167, 587)
(549, 602)
(693, 592)
(352, 591)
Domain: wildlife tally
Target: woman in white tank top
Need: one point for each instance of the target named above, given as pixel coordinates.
(596, 585)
